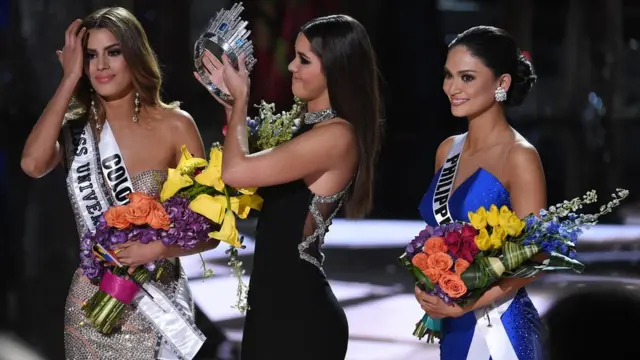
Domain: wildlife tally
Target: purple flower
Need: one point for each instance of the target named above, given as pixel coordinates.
(187, 230)
(188, 227)
(427, 232)
(102, 223)
(437, 291)
(438, 231)
(452, 227)
(145, 234)
(118, 237)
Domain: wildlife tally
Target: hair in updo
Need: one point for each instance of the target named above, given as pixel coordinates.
(498, 51)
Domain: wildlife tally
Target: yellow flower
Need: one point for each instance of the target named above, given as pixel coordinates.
(242, 205)
(188, 163)
(175, 181)
(514, 225)
(498, 235)
(483, 241)
(211, 207)
(178, 178)
(479, 218)
(505, 213)
(228, 232)
(493, 216)
(247, 191)
(212, 175)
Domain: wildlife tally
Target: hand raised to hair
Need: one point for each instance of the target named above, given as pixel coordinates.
(71, 56)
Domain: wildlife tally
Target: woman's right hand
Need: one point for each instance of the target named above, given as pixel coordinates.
(422, 297)
(71, 57)
(215, 68)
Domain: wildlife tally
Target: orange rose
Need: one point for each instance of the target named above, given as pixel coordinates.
(158, 218)
(461, 265)
(452, 285)
(136, 197)
(435, 245)
(420, 261)
(116, 217)
(139, 211)
(440, 261)
(433, 274)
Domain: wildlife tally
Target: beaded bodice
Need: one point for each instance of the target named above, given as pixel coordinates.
(149, 181)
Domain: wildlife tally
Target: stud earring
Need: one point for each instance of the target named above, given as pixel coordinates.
(500, 94)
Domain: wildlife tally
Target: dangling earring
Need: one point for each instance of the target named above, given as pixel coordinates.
(94, 113)
(136, 108)
(500, 94)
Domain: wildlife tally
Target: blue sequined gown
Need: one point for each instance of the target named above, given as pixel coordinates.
(521, 320)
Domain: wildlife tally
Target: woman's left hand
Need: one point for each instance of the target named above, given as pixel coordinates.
(237, 81)
(134, 253)
(436, 308)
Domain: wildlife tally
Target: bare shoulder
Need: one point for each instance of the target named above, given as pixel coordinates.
(177, 119)
(525, 178)
(443, 150)
(523, 155)
(337, 135)
(180, 127)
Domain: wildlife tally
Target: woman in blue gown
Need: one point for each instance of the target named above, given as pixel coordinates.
(490, 164)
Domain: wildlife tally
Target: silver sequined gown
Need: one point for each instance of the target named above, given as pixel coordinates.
(137, 340)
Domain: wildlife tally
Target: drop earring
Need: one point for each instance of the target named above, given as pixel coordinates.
(94, 112)
(136, 108)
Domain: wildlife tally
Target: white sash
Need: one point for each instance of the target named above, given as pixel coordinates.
(113, 167)
(92, 164)
(84, 178)
(445, 182)
(490, 339)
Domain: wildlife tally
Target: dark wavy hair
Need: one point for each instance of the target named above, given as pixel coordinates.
(499, 52)
(349, 65)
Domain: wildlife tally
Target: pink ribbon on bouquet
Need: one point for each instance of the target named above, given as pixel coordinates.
(119, 288)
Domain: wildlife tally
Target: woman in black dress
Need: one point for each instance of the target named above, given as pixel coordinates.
(304, 182)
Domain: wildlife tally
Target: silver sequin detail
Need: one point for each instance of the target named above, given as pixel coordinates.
(137, 339)
(322, 227)
(318, 116)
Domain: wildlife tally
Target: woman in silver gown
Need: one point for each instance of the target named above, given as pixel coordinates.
(110, 72)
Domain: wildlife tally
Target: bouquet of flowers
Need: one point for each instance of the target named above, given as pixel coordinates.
(458, 262)
(269, 129)
(194, 206)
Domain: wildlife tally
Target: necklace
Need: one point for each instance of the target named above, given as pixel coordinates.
(318, 116)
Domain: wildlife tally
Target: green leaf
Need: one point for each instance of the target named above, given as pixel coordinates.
(514, 255)
(557, 261)
(480, 274)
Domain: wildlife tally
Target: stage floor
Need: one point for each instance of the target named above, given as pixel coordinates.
(377, 294)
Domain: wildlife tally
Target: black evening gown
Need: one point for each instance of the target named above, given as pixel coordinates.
(293, 311)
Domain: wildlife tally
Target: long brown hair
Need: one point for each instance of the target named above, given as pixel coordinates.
(349, 64)
(142, 61)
